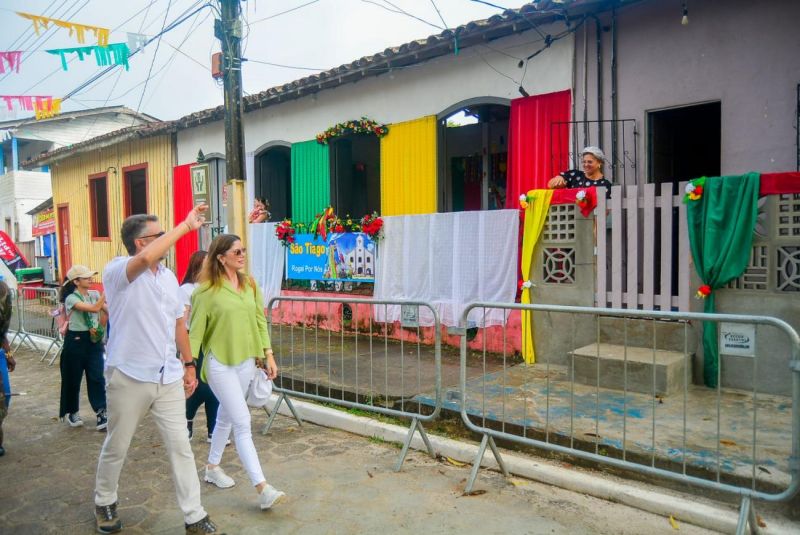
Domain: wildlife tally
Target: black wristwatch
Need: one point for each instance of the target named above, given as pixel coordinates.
(190, 364)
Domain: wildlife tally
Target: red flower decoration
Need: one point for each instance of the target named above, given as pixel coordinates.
(703, 291)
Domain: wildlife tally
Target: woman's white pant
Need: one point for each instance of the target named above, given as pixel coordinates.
(229, 384)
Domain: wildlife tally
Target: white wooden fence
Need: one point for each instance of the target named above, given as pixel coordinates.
(643, 256)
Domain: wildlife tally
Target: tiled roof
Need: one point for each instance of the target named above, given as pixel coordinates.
(507, 23)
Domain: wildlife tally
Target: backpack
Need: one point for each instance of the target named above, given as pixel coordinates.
(62, 319)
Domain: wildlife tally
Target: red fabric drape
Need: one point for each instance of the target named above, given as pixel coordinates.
(568, 196)
(537, 150)
(181, 204)
(777, 183)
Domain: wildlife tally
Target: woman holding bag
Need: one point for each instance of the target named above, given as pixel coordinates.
(229, 326)
(83, 347)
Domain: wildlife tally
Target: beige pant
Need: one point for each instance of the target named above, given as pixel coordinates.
(129, 401)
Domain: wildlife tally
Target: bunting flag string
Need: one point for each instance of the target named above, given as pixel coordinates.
(44, 107)
(47, 107)
(78, 29)
(13, 58)
(136, 41)
(104, 55)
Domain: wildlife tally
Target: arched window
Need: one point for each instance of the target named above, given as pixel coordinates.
(274, 179)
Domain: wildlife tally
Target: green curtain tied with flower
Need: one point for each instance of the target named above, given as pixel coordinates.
(721, 213)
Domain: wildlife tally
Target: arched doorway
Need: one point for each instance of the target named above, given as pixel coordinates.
(274, 179)
(473, 155)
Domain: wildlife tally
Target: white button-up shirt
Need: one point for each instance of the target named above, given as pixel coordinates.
(142, 316)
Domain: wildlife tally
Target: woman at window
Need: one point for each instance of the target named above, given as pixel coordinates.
(592, 162)
(83, 347)
(260, 212)
(228, 324)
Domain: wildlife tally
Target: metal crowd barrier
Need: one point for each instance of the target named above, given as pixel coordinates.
(334, 351)
(35, 311)
(625, 418)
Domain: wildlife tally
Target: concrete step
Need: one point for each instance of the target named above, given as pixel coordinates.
(670, 367)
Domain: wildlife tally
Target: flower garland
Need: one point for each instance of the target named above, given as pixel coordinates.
(580, 199)
(328, 221)
(694, 189)
(524, 201)
(356, 126)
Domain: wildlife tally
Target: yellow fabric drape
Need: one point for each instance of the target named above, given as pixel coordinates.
(408, 168)
(535, 217)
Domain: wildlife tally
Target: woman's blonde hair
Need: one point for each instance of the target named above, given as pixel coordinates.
(213, 272)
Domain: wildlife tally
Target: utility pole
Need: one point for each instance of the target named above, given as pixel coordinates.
(229, 32)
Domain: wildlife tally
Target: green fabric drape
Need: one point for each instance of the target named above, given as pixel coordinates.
(311, 180)
(721, 226)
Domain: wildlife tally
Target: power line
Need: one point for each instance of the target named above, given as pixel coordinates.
(158, 45)
(96, 77)
(285, 12)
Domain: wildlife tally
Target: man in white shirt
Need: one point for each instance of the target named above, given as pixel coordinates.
(142, 373)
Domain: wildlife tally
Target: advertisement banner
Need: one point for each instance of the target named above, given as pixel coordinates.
(44, 222)
(10, 255)
(346, 257)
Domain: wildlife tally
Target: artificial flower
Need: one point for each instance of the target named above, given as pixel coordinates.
(703, 291)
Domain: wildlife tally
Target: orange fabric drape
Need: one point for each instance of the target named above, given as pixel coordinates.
(538, 149)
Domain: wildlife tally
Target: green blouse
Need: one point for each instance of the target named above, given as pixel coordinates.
(229, 324)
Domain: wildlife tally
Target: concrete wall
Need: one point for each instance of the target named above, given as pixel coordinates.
(738, 52)
(417, 91)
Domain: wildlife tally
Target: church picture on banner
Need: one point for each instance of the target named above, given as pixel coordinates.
(345, 257)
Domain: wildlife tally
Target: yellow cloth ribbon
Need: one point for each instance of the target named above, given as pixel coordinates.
(535, 217)
(78, 29)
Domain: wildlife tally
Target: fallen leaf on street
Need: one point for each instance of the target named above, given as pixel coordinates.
(764, 470)
(760, 521)
(726, 442)
(673, 523)
(474, 493)
(454, 462)
(369, 474)
(519, 482)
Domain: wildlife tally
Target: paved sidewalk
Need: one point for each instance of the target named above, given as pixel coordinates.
(336, 483)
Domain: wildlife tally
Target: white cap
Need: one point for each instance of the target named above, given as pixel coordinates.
(597, 152)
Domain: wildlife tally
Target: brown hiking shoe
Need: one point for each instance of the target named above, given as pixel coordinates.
(106, 518)
(203, 526)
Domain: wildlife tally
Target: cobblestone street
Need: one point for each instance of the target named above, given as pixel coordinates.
(335, 483)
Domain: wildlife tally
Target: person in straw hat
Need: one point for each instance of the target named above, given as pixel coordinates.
(85, 311)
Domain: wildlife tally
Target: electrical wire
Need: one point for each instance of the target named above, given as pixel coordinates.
(285, 12)
(96, 77)
(155, 54)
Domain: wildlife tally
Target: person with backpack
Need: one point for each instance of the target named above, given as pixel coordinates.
(84, 310)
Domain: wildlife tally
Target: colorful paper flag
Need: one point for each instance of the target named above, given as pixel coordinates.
(78, 29)
(13, 58)
(104, 55)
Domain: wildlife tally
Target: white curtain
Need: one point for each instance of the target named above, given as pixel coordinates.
(266, 259)
(448, 260)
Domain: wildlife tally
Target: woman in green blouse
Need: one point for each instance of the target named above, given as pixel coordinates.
(229, 326)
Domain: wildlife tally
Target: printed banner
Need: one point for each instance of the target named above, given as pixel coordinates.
(10, 255)
(44, 222)
(346, 257)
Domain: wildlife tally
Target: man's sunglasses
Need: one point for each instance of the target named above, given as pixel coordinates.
(156, 235)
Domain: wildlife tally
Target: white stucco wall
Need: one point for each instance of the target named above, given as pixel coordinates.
(424, 89)
(20, 192)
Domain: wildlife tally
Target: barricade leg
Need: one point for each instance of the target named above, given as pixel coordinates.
(747, 515)
(56, 355)
(283, 397)
(415, 425)
(476, 464)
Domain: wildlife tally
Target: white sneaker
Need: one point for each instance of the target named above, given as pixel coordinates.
(219, 478)
(269, 497)
(227, 442)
